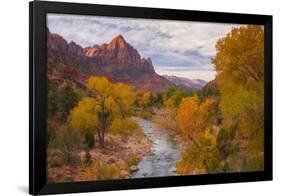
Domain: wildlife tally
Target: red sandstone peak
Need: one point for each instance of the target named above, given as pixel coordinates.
(118, 52)
(119, 39)
(118, 42)
(118, 60)
(75, 49)
(56, 41)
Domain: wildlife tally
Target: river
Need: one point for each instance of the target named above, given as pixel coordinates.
(165, 152)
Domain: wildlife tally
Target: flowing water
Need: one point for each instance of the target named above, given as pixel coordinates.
(165, 152)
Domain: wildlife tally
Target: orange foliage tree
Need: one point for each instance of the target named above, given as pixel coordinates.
(239, 63)
(106, 103)
(194, 120)
(193, 117)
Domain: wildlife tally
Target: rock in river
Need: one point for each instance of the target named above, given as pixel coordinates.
(134, 168)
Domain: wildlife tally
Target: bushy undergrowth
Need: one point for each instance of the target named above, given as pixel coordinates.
(125, 126)
(102, 171)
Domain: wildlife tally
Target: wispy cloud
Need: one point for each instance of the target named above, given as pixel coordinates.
(177, 44)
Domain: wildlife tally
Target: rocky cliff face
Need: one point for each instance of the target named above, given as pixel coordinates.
(117, 60)
(120, 54)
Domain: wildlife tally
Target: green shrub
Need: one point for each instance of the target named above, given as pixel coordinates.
(222, 138)
(50, 135)
(254, 163)
(62, 100)
(55, 161)
(89, 140)
(69, 143)
(87, 158)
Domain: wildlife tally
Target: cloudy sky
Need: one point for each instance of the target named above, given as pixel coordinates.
(177, 48)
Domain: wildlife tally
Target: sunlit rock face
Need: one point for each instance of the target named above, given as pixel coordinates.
(117, 60)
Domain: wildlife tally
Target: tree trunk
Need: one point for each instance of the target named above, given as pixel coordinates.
(100, 138)
(206, 166)
(102, 127)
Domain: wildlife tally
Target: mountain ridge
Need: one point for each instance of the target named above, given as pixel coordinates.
(117, 60)
(186, 83)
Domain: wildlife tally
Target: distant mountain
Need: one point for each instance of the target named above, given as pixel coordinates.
(185, 83)
(117, 60)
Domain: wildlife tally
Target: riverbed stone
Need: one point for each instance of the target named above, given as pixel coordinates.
(124, 173)
(145, 174)
(134, 168)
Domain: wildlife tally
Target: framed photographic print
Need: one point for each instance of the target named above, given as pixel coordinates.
(129, 97)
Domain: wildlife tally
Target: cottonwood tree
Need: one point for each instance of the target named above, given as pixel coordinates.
(107, 101)
(193, 117)
(84, 119)
(240, 55)
(239, 63)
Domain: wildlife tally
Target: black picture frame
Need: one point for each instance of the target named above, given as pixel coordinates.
(37, 97)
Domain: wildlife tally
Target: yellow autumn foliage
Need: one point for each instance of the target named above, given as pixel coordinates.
(84, 116)
(240, 55)
(239, 63)
(106, 106)
(142, 98)
(125, 126)
(100, 170)
(193, 116)
(201, 158)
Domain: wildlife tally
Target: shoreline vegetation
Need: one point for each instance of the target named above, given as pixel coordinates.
(94, 134)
